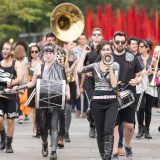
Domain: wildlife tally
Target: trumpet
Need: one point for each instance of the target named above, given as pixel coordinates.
(153, 83)
(108, 59)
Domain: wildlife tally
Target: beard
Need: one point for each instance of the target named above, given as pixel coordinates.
(119, 49)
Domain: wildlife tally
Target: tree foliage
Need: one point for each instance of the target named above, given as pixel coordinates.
(20, 16)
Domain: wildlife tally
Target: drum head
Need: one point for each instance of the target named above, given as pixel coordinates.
(50, 94)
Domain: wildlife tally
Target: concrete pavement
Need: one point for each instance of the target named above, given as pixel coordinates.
(81, 146)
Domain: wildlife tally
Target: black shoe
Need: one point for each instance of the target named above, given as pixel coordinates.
(53, 155)
(67, 139)
(115, 156)
(147, 134)
(129, 154)
(9, 145)
(92, 133)
(45, 149)
(2, 140)
(140, 132)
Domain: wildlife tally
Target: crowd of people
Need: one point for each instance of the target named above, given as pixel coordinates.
(109, 83)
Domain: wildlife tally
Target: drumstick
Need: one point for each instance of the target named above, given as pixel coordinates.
(129, 84)
(30, 97)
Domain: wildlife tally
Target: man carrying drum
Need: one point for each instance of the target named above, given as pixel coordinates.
(50, 70)
(10, 72)
(130, 75)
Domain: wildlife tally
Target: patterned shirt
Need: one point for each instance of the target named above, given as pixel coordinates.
(102, 79)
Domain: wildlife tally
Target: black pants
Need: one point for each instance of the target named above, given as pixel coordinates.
(104, 120)
(145, 111)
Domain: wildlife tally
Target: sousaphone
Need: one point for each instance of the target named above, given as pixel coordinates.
(67, 22)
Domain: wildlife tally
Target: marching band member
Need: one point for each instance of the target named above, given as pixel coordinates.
(51, 70)
(129, 74)
(11, 73)
(104, 105)
(146, 93)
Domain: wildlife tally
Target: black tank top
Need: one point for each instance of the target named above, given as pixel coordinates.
(8, 73)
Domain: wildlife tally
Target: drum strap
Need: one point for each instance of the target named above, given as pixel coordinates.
(42, 68)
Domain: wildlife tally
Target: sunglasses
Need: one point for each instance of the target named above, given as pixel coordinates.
(96, 34)
(120, 42)
(34, 52)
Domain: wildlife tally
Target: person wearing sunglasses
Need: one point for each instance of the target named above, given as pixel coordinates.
(130, 75)
(104, 106)
(147, 93)
(87, 80)
(34, 61)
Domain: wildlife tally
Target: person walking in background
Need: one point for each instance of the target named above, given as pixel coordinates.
(34, 61)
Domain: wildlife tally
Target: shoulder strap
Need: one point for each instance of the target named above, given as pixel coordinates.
(42, 69)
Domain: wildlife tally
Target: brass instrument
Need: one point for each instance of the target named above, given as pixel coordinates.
(108, 59)
(61, 55)
(153, 83)
(67, 22)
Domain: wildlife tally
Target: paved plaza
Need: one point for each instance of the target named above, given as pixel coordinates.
(81, 146)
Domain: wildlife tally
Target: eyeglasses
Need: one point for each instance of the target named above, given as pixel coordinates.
(34, 52)
(120, 42)
(96, 34)
(141, 46)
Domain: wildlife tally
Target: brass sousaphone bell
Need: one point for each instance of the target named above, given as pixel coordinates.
(67, 22)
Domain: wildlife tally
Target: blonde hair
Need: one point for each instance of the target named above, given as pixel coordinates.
(19, 53)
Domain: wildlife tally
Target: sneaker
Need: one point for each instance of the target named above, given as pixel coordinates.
(20, 121)
(67, 139)
(129, 154)
(121, 152)
(92, 133)
(26, 119)
(84, 115)
(45, 149)
(115, 156)
(53, 155)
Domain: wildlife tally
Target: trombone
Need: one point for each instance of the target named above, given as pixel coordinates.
(153, 83)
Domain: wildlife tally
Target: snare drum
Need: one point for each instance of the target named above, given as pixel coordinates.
(50, 94)
(125, 99)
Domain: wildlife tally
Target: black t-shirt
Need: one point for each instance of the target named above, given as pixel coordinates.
(129, 66)
(90, 58)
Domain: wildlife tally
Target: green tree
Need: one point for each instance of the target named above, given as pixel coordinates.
(18, 16)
